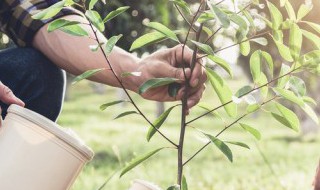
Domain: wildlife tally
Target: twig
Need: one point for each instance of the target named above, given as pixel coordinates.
(224, 129)
(256, 88)
(125, 90)
(185, 19)
(185, 98)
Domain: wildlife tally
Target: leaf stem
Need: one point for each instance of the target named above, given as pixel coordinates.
(125, 90)
(185, 19)
(227, 47)
(221, 26)
(256, 88)
(224, 129)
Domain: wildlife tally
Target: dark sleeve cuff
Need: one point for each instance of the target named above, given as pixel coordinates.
(22, 27)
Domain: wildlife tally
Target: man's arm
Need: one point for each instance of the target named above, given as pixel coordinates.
(73, 54)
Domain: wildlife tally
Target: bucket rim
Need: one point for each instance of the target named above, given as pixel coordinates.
(63, 134)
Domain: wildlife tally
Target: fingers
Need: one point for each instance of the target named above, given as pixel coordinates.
(198, 75)
(7, 96)
(167, 70)
(180, 58)
(195, 97)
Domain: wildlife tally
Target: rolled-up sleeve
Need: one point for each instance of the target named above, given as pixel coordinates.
(17, 22)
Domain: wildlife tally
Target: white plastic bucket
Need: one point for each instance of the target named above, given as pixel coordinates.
(143, 185)
(37, 154)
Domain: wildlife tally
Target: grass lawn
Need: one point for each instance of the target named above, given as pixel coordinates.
(292, 158)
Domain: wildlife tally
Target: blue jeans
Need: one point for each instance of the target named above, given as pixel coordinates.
(34, 79)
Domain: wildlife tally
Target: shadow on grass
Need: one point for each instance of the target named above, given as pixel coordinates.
(103, 158)
(300, 138)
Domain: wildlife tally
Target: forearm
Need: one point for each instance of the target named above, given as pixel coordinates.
(73, 54)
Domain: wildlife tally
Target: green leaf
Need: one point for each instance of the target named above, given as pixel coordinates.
(50, 11)
(106, 105)
(315, 26)
(222, 63)
(289, 96)
(220, 15)
(312, 114)
(243, 91)
(158, 123)
(207, 30)
(68, 2)
(290, 11)
(183, 5)
(262, 81)
(74, 30)
(205, 107)
(295, 41)
(95, 19)
(92, 3)
(223, 91)
(95, 48)
(59, 23)
(282, 3)
(164, 30)
(249, 18)
(278, 35)
(286, 24)
(283, 50)
(173, 89)
(282, 82)
(115, 13)
(251, 130)
(111, 43)
(297, 85)
(308, 99)
(245, 47)
(184, 184)
(156, 82)
(312, 38)
(238, 20)
(125, 114)
(174, 187)
(221, 146)
(238, 144)
(255, 65)
(86, 75)
(311, 58)
(304, 10)
(205, 16)
(139, 160)
(267, 57)
(240, 35)
(276, 16)
(204, 47)
(127, 74)
(253, 107)
(262, 41)
(148, 39)
(287, 117)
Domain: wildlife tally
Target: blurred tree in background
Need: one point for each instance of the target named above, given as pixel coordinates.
(311, 79)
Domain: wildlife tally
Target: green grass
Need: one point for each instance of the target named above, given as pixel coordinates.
(293, 158)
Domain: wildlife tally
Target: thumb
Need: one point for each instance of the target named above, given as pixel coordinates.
(7, 96)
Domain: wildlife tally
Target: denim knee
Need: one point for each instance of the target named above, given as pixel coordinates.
(34, 79)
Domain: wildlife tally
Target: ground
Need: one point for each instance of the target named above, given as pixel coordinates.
(291, 159)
